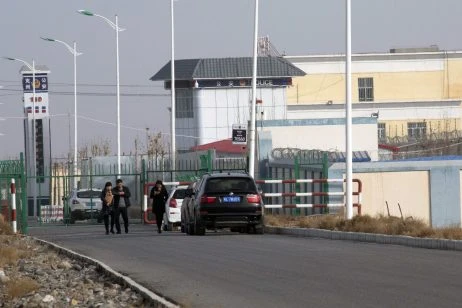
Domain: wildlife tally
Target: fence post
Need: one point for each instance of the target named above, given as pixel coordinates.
(297, 185)
(24, 207)
(325, 185)
(13, 206)
(209, 161)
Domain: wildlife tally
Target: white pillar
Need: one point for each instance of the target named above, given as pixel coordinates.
(13, 206)
(254, 96)
(34, 153)
(118, 96)
(348, 121)
(173, 111)
(75, 115)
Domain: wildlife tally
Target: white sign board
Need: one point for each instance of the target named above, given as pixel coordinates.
(239, 134)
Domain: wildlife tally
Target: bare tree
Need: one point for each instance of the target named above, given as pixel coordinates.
(156, 148)
(101, 147)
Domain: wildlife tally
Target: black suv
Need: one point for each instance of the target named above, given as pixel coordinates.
(223, 200)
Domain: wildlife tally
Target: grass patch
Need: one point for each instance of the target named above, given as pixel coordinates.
(5, 228)
(20, 287)
(380, 224)
(12, 248)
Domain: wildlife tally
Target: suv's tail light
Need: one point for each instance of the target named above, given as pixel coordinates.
(75, 201)
(253, 198)
(208, 199)
(172, 203)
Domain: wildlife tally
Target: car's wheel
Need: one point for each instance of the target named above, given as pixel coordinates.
(234, 229)
(199, 229)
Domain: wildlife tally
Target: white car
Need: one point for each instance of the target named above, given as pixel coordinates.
(84, 204)
(172, 216)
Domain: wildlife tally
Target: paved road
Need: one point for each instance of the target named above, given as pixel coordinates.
(237, 270)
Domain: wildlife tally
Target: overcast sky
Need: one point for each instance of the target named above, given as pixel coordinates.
(203, 28)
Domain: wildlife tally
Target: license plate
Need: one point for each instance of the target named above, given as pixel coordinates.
(231, 199)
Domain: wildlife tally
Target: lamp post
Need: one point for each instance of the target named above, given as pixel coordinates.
(348, 107)
(254, 97)
(34, 170)
(74, 52)
(117, 29)
(173, 111)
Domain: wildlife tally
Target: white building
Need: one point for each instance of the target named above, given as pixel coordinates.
(214, 94)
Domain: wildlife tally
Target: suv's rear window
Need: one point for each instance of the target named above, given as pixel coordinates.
(87, 194)
(230, 184)
(179, 193)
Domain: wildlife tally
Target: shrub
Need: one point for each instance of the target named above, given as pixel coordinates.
(5, 228)
(20, 287)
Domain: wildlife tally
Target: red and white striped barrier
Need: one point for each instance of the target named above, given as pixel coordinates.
(312, 194)
(13, 206)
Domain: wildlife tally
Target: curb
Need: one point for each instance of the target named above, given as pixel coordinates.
(153, 298)
(428, 243)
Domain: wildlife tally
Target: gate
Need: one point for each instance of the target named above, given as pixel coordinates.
(75, 199)
(13, 189)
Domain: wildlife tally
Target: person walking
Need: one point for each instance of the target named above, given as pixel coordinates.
(108, 205)
(121, 203)
(159, 196)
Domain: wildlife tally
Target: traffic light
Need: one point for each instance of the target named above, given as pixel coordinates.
(39, 155)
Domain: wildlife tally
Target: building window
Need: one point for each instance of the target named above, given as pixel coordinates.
(184, 104)
(366, 89)
(416, 130)
(381, 132)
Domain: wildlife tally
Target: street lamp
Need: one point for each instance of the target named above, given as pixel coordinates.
(74, 52)
(34, 170)
(348, 120)
(172, 88)
(117, 29)
(254, 96)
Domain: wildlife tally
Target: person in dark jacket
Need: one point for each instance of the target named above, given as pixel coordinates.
(108, 205)
(159, 196)
(121, 203)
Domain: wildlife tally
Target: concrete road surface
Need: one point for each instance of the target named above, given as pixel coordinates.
(223, 269)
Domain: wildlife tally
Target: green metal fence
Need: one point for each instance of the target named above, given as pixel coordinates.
(14, 169)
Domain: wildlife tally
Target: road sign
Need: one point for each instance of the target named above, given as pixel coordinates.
(239, 134)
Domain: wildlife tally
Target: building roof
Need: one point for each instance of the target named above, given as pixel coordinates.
(222, 146)
(38, 69)
(219, 68)
(389, 56)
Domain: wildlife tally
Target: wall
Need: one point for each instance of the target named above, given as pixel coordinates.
(396, 187)
(429, 190)
(216, 110)
(394, 80)
(409, 87)
(321, 134)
